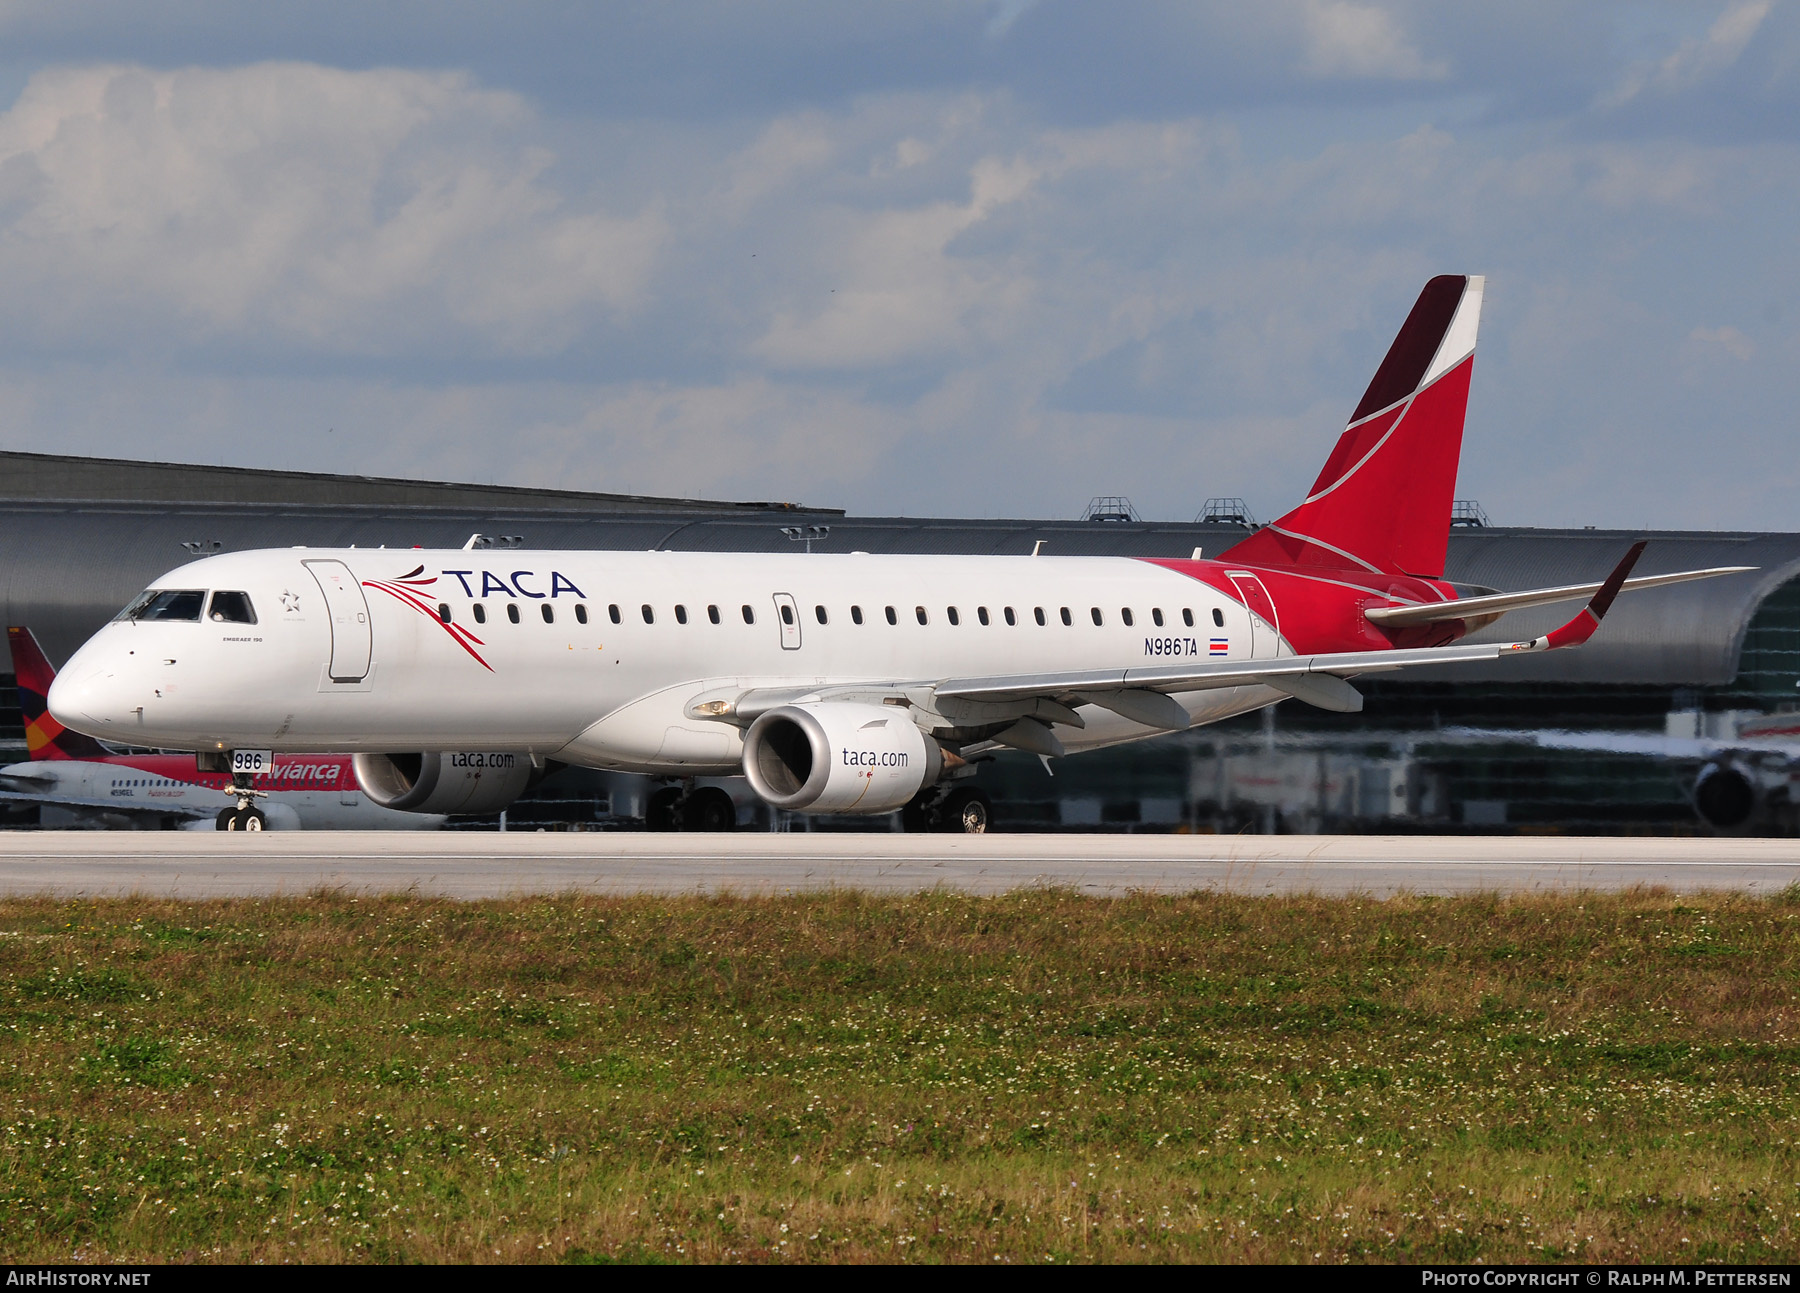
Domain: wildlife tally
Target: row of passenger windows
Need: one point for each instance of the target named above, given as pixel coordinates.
(951, 613)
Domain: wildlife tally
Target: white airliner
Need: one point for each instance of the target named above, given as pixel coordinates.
(842, 683)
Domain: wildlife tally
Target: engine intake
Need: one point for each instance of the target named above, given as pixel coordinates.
(459, 782)
(1726, 795)
(837, 757)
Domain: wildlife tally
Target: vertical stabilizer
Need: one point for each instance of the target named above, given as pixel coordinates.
(1383, 501)
(45, 738)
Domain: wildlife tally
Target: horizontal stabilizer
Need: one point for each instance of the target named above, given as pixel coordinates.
(1499, 603)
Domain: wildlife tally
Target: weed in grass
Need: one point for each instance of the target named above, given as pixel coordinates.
(1029, 1078)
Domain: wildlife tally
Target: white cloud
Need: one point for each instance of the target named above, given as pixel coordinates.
(1695, 60)
(1363, 41)
(1727, 339)
(349, 212)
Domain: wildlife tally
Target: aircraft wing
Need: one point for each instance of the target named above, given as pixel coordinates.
(1499, 603)
(27, 790)
(1654, 744)
(1034, 702)
(1318, 679)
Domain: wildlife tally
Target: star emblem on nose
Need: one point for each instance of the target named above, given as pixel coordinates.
(290, 601)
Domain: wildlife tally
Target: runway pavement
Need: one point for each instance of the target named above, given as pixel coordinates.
(491, 865)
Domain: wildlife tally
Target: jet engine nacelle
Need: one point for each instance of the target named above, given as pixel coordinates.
(1726, 795)
(443, 783)
(834, 757)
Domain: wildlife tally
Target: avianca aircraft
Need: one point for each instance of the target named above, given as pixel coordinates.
(836, 683)
(90, 784)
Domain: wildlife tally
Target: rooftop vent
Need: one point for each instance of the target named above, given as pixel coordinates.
(1226, 511)
(1466, 513)
(1110, 507)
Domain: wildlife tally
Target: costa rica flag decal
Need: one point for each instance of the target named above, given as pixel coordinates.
(1220, 646)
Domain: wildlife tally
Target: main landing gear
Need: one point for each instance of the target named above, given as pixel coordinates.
(961, 810)
(700, 808)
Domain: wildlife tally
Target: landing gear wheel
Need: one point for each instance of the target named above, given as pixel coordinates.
(708, 809)
(965, 811)
(660, 814)
(242, 819)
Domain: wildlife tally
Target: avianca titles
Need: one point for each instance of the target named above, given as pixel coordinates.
(835, 683)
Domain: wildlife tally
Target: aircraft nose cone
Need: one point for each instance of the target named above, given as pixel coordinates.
(91, 700)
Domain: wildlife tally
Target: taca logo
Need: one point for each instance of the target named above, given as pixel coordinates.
(517, 587)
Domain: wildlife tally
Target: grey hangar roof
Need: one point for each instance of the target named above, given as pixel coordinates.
(79, 537)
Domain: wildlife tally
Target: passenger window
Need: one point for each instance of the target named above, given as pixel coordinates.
(1095, 612)
(1218, 617)
(787, 614)
(920, 612)
(171, 606)
(1067, 619)
(749, 616)
(1125, 615)
(612, 612)
(892, 618)
(955, 619)
(580, 613)
(549, 615)
(649, 615)
(480, 613)
(232, 608)
(444, 611)
(1038, 612)
(856, 615)
(712, 613)
(1156, 616)
(982, 615)
(681, 614)
(1187, 616)
(1008, 612)
(512, 612)
(819, 611)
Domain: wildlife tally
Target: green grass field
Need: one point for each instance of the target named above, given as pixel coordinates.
(1030, 1078)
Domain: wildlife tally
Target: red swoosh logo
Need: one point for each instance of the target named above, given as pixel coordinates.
(458, 634)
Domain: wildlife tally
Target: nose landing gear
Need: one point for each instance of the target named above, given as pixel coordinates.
(241, 819)
(245, 816)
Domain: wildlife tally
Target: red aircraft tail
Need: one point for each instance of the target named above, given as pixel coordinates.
(1383, 501)
(45, 738)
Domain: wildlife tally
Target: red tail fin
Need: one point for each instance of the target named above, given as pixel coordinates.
(45, 738)
(1383, 501)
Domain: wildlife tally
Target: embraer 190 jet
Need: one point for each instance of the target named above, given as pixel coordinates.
(835, 683)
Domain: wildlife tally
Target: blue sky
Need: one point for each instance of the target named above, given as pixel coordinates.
(940, 258)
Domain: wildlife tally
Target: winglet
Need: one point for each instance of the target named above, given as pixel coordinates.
(1581, 628)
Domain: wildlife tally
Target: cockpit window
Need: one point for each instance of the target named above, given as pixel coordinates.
(231, 608)
(166, 604)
